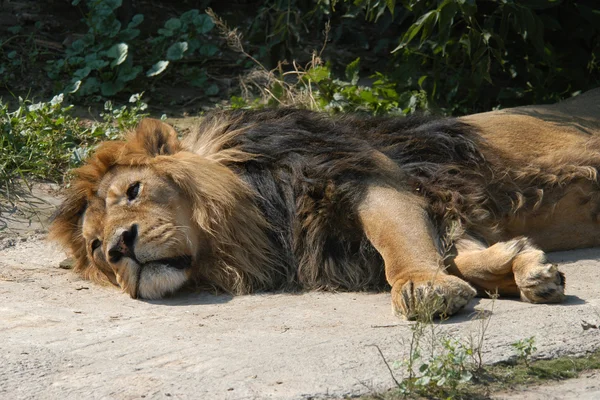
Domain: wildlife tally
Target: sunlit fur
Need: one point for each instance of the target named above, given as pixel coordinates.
(268, 200)
(189, 205)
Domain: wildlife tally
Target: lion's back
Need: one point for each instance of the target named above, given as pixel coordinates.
(310, 172)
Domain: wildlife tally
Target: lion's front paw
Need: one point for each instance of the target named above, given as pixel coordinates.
(424, 297)
(542, 283)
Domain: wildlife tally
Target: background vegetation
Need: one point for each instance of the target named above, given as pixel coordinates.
(377, 56)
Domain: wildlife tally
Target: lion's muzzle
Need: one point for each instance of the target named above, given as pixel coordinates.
(122, 244)
(140, 270)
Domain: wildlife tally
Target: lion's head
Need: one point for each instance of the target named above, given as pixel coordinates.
(149, 214)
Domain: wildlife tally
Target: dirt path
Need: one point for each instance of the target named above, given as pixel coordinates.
(62, 337)
(585, 387)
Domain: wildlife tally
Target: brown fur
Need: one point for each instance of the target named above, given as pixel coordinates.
(222, 204)
(268, 201)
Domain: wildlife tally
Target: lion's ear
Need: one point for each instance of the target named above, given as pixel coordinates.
(65, 227)
(157, 138)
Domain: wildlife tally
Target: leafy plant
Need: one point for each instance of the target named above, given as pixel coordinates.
(459, 56)
(314, 86)
(456, 56)
(525, 348)
(42, 140)
(438, 365)
(100, 61)
(379, 98)
(471, 55)
(110, 56)
(18, 52)
(184, 38)
(444, 371)
(117, 120)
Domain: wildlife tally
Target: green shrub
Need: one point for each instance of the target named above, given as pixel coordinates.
(455, 56)
(475, 55)
(466, 55)
(43, 140)
(110, 57)
(99, 61)
(524, 349)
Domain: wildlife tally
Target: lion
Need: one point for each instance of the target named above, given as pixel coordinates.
(290, 199)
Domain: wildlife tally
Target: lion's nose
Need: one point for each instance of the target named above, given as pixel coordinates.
(123, 243)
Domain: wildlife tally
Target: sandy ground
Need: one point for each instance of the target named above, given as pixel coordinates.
(62, 337)
(586, 387)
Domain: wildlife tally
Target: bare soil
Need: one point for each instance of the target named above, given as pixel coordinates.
(62, 337)
(585, 387)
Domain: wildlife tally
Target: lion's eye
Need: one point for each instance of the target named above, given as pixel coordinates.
(133, 191)
(95, 244)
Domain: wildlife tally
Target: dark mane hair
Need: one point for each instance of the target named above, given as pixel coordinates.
(305, 168)
(306, 165)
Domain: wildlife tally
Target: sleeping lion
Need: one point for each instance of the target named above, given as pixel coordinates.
(291, 199)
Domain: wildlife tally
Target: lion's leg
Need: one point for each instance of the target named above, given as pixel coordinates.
(399, 228)
(513, 268)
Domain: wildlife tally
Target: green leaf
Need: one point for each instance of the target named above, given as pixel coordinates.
(390, 5)
(136, 97)
(96, 64)
(91, 57)
(428, 25)
(199, 81)
(368, 97)
(203, 23)
(89, 86)
(165, 32)
(129, 74)
(176, 51)
(173, 24)
(318, 74)
(157, 68)
(352, 70)
(486, 37)
(188, 16)
(135, 21)
(211, 90)
(465, 376)
(485, 69)
(109, 27)
(75, 61)
(426, 21)
(82, 73)
(208, 50)
(112, 4)
(127, 35)
(76, 48)
(73, 87)
(423, 381)
(111, 88)
(15, 29)
(447, 11)
(118, 52)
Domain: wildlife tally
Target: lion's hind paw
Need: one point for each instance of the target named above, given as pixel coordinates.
(542, 284)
